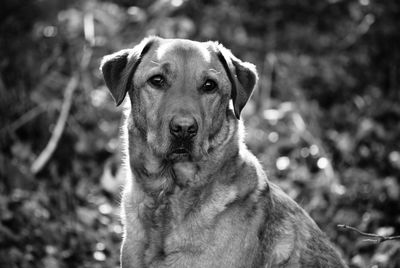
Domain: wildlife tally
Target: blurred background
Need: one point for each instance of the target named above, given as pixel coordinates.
(324, 120)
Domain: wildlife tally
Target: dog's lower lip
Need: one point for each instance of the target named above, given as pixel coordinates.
(179, 154)
(180, 151)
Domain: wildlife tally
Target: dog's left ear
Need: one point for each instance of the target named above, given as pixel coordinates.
(118, 68)
(242, 75)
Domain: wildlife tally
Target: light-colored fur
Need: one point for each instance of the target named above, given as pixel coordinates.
(216, 208)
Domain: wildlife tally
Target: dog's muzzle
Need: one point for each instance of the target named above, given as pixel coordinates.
(183, 129)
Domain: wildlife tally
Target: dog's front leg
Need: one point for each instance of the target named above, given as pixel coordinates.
(133, 245)
(177, 260)
(134, 239)
(132, 253)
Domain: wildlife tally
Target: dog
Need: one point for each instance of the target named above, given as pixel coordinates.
(195, 196)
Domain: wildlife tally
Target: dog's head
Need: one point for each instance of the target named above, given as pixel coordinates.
(180, 92)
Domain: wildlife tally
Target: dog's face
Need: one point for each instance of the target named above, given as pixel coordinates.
(180, 92)
(183, 92)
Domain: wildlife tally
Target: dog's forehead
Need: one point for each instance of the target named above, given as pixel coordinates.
(182, 49)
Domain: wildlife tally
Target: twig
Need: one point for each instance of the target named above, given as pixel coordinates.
(375, 238)
(44, 156)
(8, 234)
(266, 83)
(28, 116)
(72, 85)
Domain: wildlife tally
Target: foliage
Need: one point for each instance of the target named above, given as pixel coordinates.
(323, 122)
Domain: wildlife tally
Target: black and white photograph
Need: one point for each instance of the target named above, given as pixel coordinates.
(200, 134)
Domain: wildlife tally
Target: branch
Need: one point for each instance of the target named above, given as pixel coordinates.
(72, 85)
(44, 156)
(28, 116)
(375, 238)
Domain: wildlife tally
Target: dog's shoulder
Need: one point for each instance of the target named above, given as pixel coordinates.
(298, 239)
(286, 233)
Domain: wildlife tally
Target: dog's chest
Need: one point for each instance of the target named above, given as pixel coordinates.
(187, 226)
(184, 222)
(168, 228)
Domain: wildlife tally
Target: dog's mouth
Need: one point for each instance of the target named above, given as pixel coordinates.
(180, 153)
(180, 150)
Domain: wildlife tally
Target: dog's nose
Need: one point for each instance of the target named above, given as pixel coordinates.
(183, 126)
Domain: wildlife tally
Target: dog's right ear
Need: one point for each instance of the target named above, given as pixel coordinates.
(118, 68)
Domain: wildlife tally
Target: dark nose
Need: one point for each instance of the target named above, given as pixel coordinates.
(183, 126)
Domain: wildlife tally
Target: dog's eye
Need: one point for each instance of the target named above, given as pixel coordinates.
(157, 81)
(209, 86)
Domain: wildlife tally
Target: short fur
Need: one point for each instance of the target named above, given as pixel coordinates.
(214, 207)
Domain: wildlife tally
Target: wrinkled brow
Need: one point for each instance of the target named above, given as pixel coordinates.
(156, 63)
(165, 66)
(214, 71)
